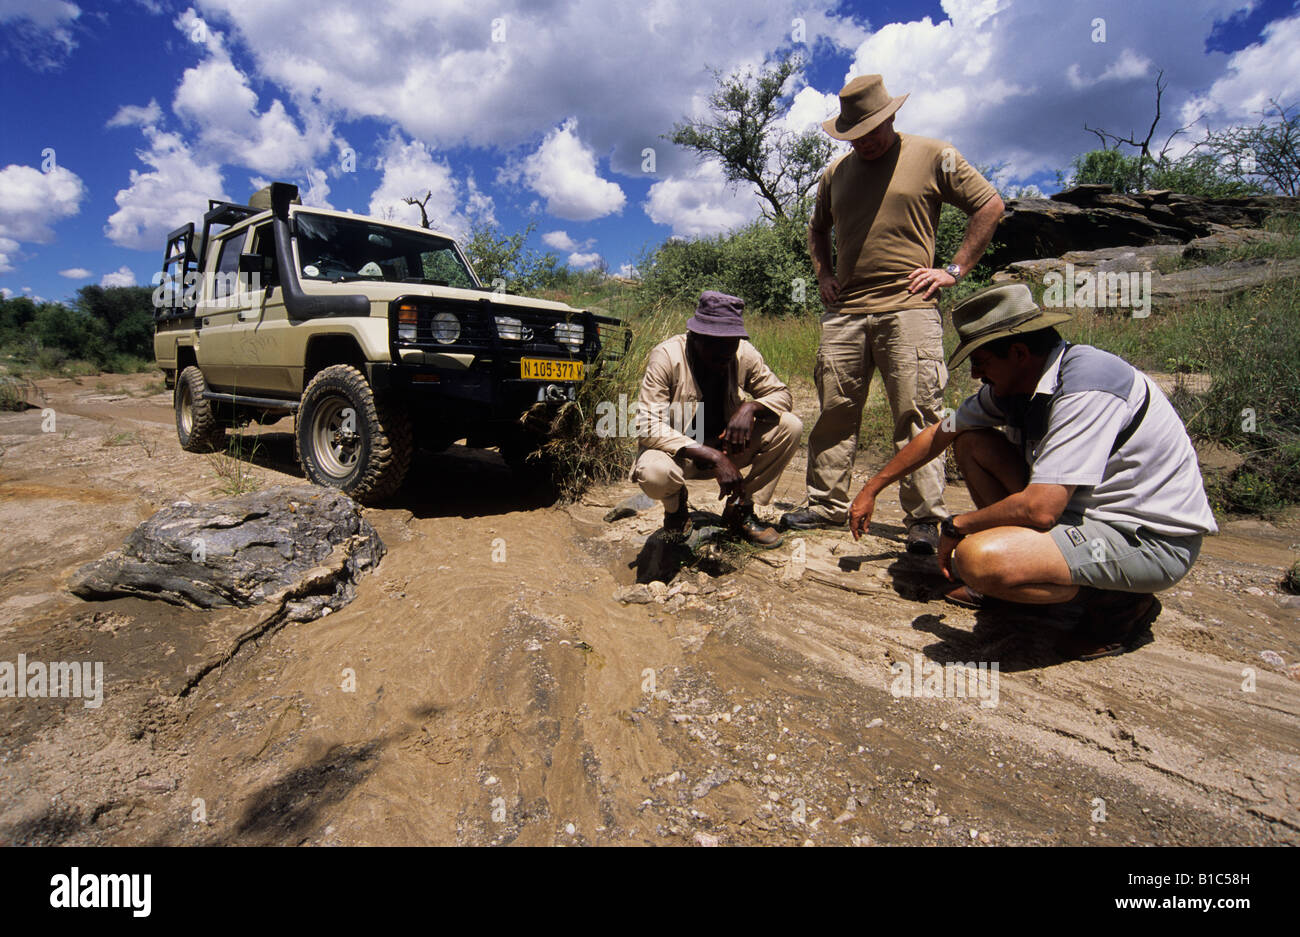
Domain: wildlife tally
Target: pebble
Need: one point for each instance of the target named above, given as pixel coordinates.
(1272, 658)
(570, 828)
(706, 839)
(875, 723)
(845, 817)
(907, 826)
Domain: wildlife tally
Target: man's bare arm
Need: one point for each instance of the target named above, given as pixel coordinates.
(1037, 507)
(925, 446)
(979, 232)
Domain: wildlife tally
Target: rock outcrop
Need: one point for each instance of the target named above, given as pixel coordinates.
(1091, 217)
(303, 547)
(1175, 274)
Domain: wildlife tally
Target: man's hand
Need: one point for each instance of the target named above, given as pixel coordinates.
(930, 279)
(739, 428)
(730, 484)
(829, 287)
(860, 512)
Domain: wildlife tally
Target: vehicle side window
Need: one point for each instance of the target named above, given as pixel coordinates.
(264, 246)
(226, 277)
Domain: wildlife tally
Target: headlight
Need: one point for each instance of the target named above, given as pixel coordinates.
(445, 327)
(407, 318)
(570, 334)
(510, 329)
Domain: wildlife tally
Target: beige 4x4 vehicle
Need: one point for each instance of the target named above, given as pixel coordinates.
(376, 336)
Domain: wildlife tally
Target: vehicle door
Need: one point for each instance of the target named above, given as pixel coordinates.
(218, 311)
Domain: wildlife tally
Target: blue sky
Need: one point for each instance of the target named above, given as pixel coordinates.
(121, 118)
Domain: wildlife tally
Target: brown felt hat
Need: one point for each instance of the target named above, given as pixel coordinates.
(864, 106)
(996, 312)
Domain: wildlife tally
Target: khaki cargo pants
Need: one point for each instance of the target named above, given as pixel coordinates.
(907, 347)
(772, 445)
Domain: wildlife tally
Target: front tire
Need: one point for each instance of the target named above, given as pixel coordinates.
(347, 438)
(196, 418)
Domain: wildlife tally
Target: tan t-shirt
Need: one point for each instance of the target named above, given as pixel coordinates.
(885, 214)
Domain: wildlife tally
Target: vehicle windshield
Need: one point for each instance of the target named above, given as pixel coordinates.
(341, 249)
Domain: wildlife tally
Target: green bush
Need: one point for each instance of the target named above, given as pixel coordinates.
(765, 263)
(1192, 174)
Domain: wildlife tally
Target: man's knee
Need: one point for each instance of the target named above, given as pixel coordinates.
(788, 430)
(657, 474)
(983, 562)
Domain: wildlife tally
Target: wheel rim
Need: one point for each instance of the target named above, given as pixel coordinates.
(335, 439)
(186, 410)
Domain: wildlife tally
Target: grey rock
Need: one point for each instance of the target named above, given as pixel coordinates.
(1090, 217)
(302, 546)
(639, 594)
(630, 507)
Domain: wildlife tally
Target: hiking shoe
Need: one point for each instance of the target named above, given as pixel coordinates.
(1113, 623)
(756, 532)
(678, 523)
(805, 519)
(923, 539)
(966, 597)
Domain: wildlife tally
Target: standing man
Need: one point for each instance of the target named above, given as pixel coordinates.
(883, 202)
(698, 378)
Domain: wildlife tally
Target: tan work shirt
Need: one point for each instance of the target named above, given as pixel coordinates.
(670, 396)
(885, 214)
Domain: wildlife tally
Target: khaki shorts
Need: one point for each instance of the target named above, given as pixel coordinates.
(1107, 557)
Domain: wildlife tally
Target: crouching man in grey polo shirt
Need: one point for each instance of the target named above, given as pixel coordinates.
(1086, 485)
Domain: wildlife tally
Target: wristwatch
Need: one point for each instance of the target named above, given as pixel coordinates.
(953, 271)
(948, 530)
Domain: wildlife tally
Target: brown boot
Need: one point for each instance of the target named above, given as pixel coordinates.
(740, 518)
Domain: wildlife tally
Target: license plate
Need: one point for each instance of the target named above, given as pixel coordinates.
(543, 369)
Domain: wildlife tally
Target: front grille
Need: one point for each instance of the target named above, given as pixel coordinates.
(478, 330)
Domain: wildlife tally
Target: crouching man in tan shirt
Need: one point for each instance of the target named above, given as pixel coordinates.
(694, 382)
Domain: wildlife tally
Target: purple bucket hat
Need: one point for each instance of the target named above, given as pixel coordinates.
(718, 315)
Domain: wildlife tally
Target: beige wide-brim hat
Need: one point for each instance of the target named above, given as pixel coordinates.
(995, 313)
(864, 106)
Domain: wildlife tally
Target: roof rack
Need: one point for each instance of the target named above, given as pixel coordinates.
(226, 213)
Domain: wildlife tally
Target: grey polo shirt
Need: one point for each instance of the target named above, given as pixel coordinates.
(1089, 396)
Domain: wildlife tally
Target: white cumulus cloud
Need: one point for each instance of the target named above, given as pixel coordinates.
(1268, 69)
(579, 261)
(134, 115)
(122, 276)
(40, 32)
(700, 203)
(175, 189)
(75, 273)
(31, 201)
(563, 171)
(409, 169)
